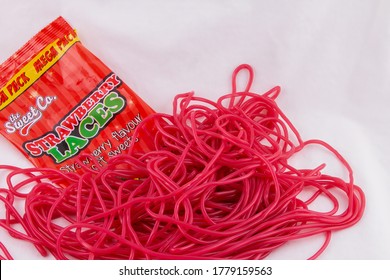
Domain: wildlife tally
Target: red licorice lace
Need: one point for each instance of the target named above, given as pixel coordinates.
(217, 185)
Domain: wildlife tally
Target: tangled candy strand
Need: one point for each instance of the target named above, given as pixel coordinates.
(217, 185)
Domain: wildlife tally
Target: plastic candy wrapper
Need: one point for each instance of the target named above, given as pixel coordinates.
(58, 100)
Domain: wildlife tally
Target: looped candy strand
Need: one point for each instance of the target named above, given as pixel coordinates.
(218, 184)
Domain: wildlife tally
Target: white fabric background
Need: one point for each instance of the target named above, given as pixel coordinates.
(332, 59)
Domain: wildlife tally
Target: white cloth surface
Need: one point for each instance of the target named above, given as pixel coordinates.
(331, 58)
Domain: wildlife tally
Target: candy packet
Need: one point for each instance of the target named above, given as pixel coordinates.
(58, 100)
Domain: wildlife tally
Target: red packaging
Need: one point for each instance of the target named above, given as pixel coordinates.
(57, 100)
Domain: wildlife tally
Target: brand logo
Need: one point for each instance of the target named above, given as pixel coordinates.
(23, 122)
(83, 123)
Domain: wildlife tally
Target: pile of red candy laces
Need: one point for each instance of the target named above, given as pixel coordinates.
(217, 185)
